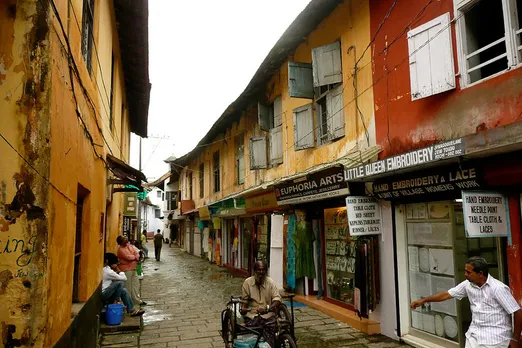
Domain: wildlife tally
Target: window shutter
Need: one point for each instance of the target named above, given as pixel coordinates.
(258, 158)
(300, 80)
(276, 146)
(432, 68)
(335, 107)
(263, 116)
(278, 112)
(303, 127)
(327, 66)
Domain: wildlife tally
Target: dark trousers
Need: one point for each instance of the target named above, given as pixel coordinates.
(157, 251)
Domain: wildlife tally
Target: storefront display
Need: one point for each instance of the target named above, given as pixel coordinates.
(262, 238)
(246, 242)
(437, 248)
(340, 256)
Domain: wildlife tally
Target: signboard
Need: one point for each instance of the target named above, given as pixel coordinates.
(485, 214)
(204, 213)
(130, 205)
(127, 226)
(432, 182)
(265, 202)
(313, 187)
(364, 215)
(449, 149)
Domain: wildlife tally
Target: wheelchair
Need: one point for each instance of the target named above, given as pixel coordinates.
(231, 327)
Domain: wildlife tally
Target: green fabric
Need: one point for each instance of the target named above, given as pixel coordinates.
(304, 258)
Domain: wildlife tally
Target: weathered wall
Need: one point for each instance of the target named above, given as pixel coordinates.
(349, 23)
(24, 193)
(402, 125)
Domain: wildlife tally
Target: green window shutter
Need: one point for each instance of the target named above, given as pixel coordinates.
(327, 68)
(300, 80)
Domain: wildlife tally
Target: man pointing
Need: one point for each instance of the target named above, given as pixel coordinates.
(491, 305)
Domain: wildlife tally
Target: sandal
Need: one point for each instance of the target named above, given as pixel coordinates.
(137, 313)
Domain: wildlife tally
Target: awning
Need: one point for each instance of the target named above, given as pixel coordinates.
(229, 212)
(125, 175)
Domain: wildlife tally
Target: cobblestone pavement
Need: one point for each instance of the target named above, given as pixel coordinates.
(185, 296)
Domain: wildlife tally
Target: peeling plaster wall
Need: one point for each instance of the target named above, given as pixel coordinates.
(24, 194)
(402, 124)
(349, 23)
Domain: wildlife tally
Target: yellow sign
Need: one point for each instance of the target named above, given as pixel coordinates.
(264, 202)
(217, 223)
(204, 213)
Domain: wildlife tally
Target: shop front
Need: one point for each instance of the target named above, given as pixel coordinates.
(440, 216)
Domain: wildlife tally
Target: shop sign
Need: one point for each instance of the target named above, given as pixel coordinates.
(204, 213)
(321, 185)
(266, 201)
(449, 149)
(428, 183)
(485, 214)
(126, 226)
(364, 215)
(130, 204)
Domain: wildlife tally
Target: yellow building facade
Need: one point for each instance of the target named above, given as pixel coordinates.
(66, 121)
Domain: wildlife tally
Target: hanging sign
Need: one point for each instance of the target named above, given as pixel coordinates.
(433, 153)
(364, 215)
(313, 187)
(130, 204)
(485, 214)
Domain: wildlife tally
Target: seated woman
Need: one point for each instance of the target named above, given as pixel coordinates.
(112, 285)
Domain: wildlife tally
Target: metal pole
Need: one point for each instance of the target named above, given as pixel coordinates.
(138, 206)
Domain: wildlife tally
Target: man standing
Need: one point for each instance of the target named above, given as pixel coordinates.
(129, 257)
(158, 243)
(491, 305)
(261, 295)
(113, 288)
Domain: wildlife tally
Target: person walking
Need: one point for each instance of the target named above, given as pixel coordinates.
(491, 303)
(158, 243)
(144, 243)
(129, 257)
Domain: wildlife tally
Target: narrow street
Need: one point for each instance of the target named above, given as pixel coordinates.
(185, 296)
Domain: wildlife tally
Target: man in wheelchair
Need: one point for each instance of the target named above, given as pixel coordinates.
(260, 302)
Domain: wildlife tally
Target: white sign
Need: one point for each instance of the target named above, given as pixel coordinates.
(364, 215)
(485, 214)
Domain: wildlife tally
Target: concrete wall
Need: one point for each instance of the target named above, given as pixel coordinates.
(59, 132)
(402, 124)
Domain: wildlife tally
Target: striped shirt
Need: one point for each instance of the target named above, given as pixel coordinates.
(491, 306)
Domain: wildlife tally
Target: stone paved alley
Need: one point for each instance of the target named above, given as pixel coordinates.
(185, 296)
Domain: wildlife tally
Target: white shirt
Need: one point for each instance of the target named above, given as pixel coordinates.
(109, 276)
(491, 307)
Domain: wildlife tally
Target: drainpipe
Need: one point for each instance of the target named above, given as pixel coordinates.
(396, 273)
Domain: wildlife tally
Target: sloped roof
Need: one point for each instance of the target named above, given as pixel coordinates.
(295, 34)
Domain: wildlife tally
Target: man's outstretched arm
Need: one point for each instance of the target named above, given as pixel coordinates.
(438, 297)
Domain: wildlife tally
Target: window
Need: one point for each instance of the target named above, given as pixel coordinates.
(271, 119)
(158, 194)
(190, 186)
(217, 186)
(258, 159)
(162, 196)
(201, 180)
(111, 111)
(81, 200)
(321, 81)
(157, 213)
(239, 141)
(432, 69)
(88, 32)
(489, 49)
(303, 127)
(172, 200)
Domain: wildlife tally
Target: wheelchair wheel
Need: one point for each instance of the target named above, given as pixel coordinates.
(286, 341)
(228, 328)
(284, 313)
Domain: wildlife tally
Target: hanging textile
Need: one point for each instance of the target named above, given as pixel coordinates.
(316, 225)
(304, 247)
(290, 253)
(367, 286)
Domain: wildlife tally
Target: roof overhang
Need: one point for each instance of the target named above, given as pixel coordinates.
(159, 182)
(125, 175)
(132, 18)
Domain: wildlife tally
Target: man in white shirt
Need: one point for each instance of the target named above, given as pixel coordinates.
(491, 303)
(113, 285)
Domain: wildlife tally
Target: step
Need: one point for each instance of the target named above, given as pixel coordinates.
(127, 324)
(370, 327)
